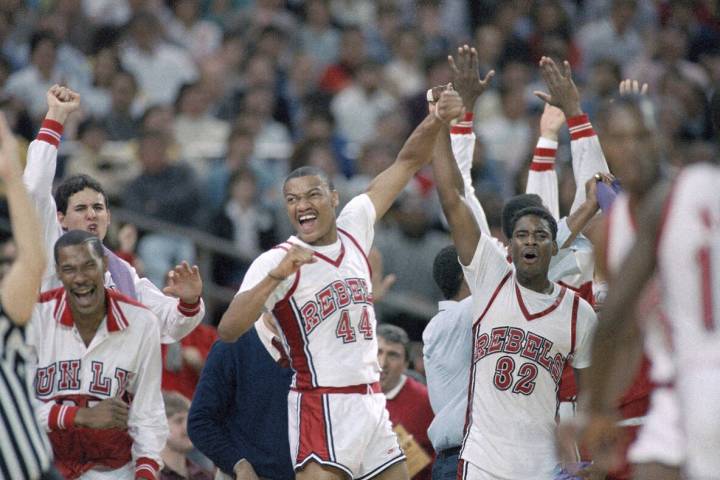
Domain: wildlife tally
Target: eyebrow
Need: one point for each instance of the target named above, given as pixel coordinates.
(318, 188)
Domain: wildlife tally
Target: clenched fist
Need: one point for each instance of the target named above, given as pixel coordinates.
(109, 413)
(295, 258)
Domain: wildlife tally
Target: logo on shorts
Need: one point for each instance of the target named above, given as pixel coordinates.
(391, 450)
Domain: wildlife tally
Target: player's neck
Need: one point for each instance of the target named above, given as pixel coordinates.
(536, 283)
(88, 323)
(328, 239)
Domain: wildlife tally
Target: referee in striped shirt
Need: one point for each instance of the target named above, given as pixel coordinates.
(25, 451)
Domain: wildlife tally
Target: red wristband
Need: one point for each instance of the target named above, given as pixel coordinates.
(50, 132)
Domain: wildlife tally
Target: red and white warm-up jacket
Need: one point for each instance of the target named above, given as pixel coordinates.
(122, 360)
(176, 318)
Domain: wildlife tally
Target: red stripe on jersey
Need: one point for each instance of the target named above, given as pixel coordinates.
(461, 130)
(363, 389)
(534, 316)
(357, 244)
(666, 213)
(492, 298)
(545, 152)
(313, 438)
(541, 166)
(703, 257)
(573, 323)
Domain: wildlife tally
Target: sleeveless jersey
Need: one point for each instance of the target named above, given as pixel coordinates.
(521, 342)
(689, 266)
(325, 311)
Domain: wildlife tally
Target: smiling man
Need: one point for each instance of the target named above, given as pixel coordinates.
(318, 287)
(80, 203)
(98, 370)
(526, 328)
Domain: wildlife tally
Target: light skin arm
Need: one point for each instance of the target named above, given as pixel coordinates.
(415, 154)
(464, 229)
(22, 283)
(247, 306)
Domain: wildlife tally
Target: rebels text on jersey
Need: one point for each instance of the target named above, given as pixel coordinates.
(325, 311)
(522, 340)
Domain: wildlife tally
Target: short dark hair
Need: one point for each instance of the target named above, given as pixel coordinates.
(78, 237)
(514, 205)
(394, 334)
(447, 272)
(71, 185)
(309, 171)
(541, 212)
(40, 36)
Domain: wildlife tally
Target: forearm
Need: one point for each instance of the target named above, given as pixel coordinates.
(245, 309)
(578, 220)
(542, 178)
(463, 227)
(26, 229)
(415, 154)
(213, 437)
(176, 318)
(587, 155)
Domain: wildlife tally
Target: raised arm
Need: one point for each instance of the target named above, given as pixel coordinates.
(415, 154)
(466, 81)
(542, 177)
(587, 156)
(463, 226)
(22, 283)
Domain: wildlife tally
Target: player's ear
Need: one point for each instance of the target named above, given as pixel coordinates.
(335, 198)
(555, 248)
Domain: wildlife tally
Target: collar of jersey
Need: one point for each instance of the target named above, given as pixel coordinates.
(324, 252)
(520, 291)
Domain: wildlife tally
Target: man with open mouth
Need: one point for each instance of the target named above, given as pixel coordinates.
(318, 287)
(98, 370)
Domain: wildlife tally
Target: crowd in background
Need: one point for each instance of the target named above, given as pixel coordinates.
(194, 110)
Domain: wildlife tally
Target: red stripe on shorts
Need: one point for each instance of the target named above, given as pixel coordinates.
(313, 437)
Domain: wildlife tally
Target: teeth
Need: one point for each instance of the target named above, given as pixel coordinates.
(307, 217)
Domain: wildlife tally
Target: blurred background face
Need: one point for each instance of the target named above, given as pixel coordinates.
(43, 57)
(413, 217)
(244, 190)
(178, 439)
(391, 357)
(152, 153)
(629, 149)
(122, 92)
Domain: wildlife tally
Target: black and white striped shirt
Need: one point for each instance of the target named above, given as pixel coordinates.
(25, 451)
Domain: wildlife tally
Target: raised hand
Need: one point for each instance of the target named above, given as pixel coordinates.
(185, 283)
(109, 413)
(9, 156)
(449, 107)
(551, 121)
(591, 185)
(61, 101)
(466, 76)
(632, 87)
(295, 258)
(563, 92)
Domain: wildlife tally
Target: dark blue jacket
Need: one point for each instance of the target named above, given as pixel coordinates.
(239, 409)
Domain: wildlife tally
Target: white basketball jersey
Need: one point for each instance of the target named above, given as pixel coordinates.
(325, 312)
(522, 340)
(689, 266)
(621, 234)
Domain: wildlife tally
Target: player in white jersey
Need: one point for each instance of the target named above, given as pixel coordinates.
(526, 327)
(658, 450)
(98, 371)
(82, 204)
(317, 286)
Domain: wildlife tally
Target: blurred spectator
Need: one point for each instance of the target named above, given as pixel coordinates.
(407, 399)
(404, 71)
(360, 13)
(602, 83)
(167, 192)
(240, 146)
(30, 84)
(429, 20)
(380, 34)
(352, 54)
(318, 38)
(183, 361)
(159, 67)
(320, 125)
(120, 121)
(358, 107)
(199, 37)
(200, 135)
(244, 221)
(407, 239)
(95, 157)
(611, 37)
(177, 464)
(239, 416)
(97, 98)
(507, 137)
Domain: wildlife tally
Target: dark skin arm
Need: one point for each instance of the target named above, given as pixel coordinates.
(463, 227)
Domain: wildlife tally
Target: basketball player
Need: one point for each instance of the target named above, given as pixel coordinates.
(626, 134)
(317, 286)
(526, 329)
(677, 237)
